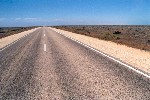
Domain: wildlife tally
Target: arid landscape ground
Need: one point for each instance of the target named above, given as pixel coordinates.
(130, 35)
(7, 31)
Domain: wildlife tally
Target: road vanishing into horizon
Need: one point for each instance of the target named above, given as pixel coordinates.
(46, 65)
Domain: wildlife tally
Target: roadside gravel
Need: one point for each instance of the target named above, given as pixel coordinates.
(135, 57)
(7, 40)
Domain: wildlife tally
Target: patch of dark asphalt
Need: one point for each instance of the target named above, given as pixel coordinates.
(9, 54)
(22, 86)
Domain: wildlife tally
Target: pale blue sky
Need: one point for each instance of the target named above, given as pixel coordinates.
(74, 12)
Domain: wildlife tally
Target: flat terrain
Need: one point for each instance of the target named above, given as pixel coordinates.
(7, 31)
(131, 35)
(45, 65)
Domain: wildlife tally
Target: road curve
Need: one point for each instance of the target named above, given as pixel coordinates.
(48, 66)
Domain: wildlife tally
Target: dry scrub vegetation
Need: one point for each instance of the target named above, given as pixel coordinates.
(130, 35)
(7, 31)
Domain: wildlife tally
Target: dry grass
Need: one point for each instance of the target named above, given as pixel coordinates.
(7, 31)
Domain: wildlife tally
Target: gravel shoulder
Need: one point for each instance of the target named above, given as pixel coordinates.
(135, 57)
(7, 40)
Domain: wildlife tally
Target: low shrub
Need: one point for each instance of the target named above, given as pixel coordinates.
(117, 32)
(109, 36)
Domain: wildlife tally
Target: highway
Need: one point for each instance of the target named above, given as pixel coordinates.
(45, 65)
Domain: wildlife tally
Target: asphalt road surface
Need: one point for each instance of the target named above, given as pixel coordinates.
(48, 66)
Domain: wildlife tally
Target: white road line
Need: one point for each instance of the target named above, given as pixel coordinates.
(44, 34)
(44, 47)
(130, 67)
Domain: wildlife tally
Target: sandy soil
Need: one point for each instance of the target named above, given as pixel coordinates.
(132, 56)
(7, 40)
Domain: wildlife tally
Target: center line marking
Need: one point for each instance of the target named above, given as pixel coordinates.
(44, 34)
(44, 47)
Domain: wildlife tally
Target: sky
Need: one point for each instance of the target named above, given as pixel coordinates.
(74, 12)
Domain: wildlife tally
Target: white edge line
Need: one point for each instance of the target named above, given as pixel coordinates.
(44, 47)
(139, 72)
(44, 34)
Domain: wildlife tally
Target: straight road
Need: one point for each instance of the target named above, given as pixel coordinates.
(48, 66)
